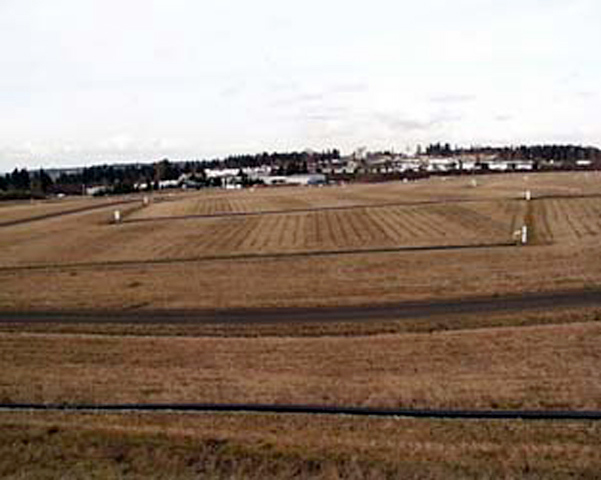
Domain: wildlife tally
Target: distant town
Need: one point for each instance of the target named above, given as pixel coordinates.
(295, 168)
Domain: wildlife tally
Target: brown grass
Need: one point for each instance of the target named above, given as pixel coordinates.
(567, 231)
(269, 446)
(419, 363)
(528, 367)
(23, 210)
(346, 279)
(91, 238)
(493, 187)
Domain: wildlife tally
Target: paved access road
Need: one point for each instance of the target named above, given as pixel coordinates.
(378, 312)
(307, 410)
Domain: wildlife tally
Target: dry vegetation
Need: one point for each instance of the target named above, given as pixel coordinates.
(78, 248)
(308, 281)
(451, 189)
(535, 360)
(268, 446)
(90, 238)
(539, 367)
(17, 210)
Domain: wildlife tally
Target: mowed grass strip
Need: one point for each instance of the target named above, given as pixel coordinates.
(490, 187)
(571, 221)
(27, 210)
(51, 445)
(541, 367)
(307, 281)
(89, 238)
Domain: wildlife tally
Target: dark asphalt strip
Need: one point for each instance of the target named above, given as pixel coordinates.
(546, 301)
(309, 410)
(567, 196)
(253, 256)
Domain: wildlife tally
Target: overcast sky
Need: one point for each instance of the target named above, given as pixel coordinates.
(89, 81)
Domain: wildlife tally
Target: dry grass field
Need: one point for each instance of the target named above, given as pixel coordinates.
(84, 261)
(48, 445)
(445, 189)
(327, 246)
(303, 281)
(84, 238)
(22, 210)
(538, 367)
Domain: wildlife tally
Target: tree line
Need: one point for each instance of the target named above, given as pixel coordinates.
(127, 178)
(556, 153)
(21, 183)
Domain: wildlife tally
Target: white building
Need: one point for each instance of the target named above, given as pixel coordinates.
(442, 164)
(308, 179)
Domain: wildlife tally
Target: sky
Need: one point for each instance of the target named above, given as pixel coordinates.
(100, 81)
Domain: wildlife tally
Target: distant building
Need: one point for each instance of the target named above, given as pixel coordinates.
(306, 180)
(97, 190)
(443, 164)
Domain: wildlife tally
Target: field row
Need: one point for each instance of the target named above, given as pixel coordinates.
(332, 230)
(567, 220)
(282, 199)
(22, 211)
(253, 201)
(481, 188)
(361, 228)
(88, 237)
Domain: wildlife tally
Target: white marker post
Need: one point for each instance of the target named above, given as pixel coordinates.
(145, 200)
(528, 195)
(524, 238)
(117, 216)
(474, 182)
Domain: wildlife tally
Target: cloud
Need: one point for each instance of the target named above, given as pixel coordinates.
(233, 89)
(298, 100)
(347, 88)
(402, 123)
(121, 147)
(87, 78)
(453, 98)
(586, 95)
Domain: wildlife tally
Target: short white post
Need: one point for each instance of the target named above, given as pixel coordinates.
(117, 216)
(145, 200)
(474, 182)
(528, 195)
(524, 235)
